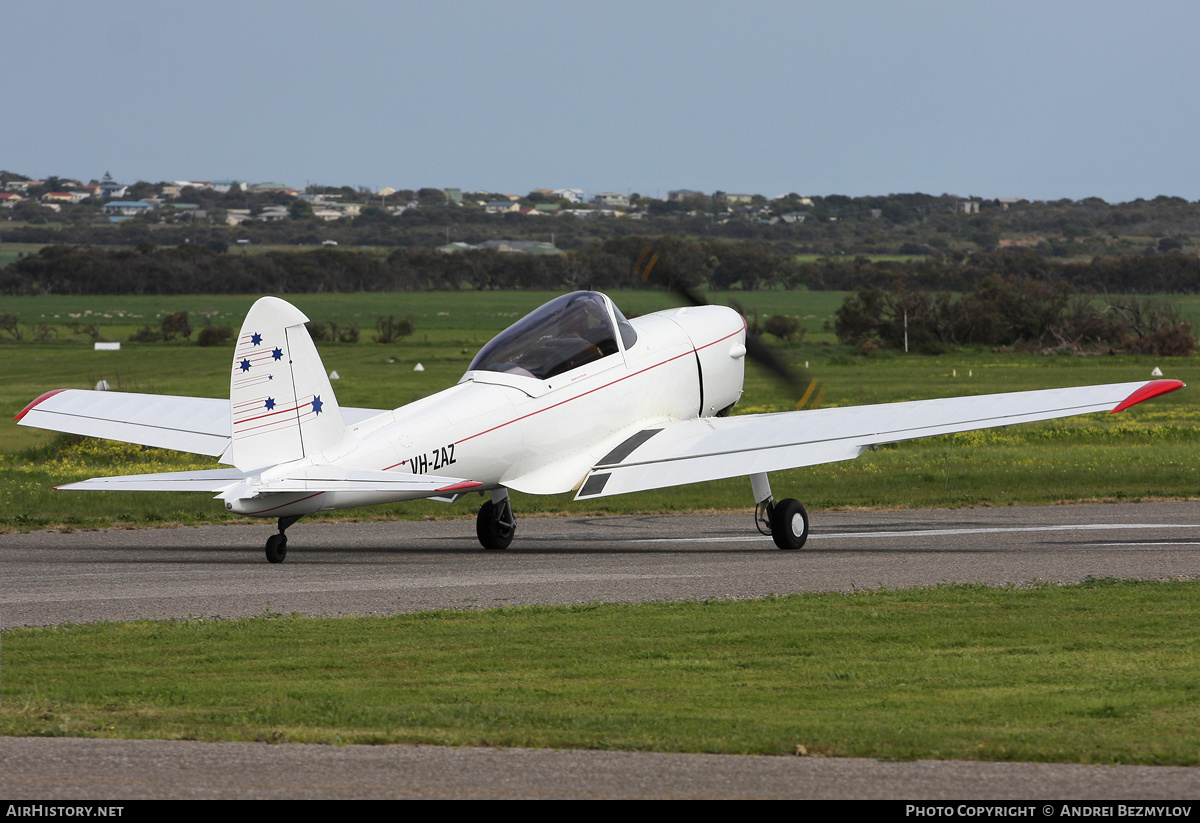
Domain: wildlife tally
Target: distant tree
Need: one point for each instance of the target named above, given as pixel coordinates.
(141, 190)
(176, 325)
(10, 325)
(431, 197)
(392, 330)
(214, 335)
(1167, 245)
(783, 326)
(300, 209)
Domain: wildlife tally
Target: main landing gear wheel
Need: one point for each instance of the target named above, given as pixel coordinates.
(276, 548)
(495, 526)
(277, 543)
(789, 524)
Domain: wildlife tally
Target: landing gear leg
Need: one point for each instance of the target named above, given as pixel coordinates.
(496, 525)
(786, 521)
(277, 543)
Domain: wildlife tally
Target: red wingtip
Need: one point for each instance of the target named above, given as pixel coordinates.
(466, 484)
(45, 396)
(1152, 389)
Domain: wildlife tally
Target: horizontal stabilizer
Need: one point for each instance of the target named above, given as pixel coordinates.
(206, 480)
(199, 425)
(335, 479)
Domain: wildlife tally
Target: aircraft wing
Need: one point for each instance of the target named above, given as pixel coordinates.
(691, 451)
(199, 425)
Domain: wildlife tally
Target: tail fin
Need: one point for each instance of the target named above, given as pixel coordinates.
(281, 405)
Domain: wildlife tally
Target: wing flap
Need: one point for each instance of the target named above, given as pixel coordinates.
(714, 448)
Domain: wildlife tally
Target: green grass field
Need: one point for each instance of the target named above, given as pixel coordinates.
(1104, 672)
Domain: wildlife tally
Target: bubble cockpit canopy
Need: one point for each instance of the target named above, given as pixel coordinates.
(565, 333)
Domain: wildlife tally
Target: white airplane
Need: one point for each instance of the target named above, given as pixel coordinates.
(574, 397)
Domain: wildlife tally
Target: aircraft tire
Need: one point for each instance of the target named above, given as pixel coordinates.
(789, 524)
(492, 535)
(276, 548)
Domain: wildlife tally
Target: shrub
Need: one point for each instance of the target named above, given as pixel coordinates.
(391, 330)
(214, 335)
(147, 334)
(176, 325)
(784, 327)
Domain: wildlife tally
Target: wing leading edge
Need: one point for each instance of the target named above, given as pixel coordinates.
(691, 451)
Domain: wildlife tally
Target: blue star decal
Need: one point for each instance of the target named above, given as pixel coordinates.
(317, 404)
(270, 377)
(277, 354)
(244, 365)
(270, 404)
(256, 339)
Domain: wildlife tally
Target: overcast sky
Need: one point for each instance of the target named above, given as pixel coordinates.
(1044, 100)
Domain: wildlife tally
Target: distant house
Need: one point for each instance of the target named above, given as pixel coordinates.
(127, 208)
(110, 188)
(8, 200)
(501, 207)
(682, 194)
(611, 200)
(60, 197)
(270, 188)
(803, 201)
(967, 206)
(504, 246)
(188, 211)
(272, 214)
(225, 186)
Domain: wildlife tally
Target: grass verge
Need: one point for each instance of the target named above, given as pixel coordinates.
(1102, 672)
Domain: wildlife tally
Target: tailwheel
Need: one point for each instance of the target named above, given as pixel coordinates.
(276, 548)
(789, 524)
(495, 525)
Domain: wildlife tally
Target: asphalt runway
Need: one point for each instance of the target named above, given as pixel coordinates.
(49, 578)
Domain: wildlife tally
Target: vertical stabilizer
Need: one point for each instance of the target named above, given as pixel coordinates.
(281, 405)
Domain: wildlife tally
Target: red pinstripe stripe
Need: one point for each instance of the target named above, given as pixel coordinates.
(586, 393)
(285, 505)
